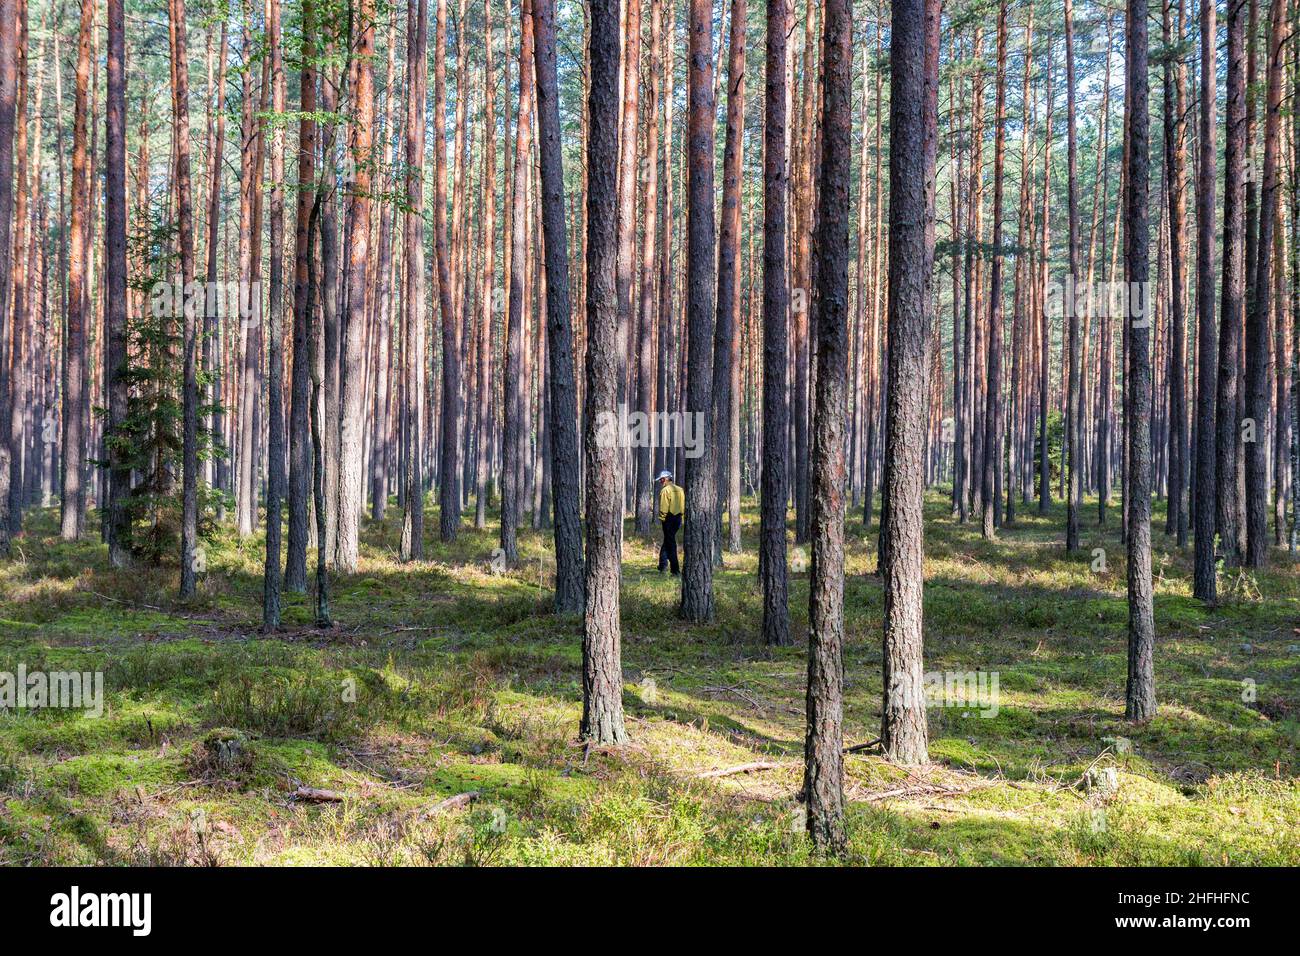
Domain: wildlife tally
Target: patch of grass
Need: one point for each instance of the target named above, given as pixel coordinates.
(446, 678)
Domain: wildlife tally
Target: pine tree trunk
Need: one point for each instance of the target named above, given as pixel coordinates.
(903, 730)
(300, 454)
(728, 290)
(562, 418)
(602, 668)
(487, 288)
(118, 525)
(449, 445)
(647, 373)
(74, 363)
(824, 740)
(993, 397)
(352, 379)
(412, 546)
(1074, 398)
(1204, 585)
(515, 431)
(773, 489)
(701, 488)
(1140, 698)
(1258, 318)
(1233, 290)
(1175, 80)
(272, 579)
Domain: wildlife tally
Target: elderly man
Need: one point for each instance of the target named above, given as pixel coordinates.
(672, 504)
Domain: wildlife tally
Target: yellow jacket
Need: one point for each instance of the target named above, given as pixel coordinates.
(672, 501)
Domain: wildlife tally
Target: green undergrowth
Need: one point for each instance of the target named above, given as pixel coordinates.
(446, 678)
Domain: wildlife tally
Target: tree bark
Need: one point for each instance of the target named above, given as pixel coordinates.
(1204, 585)
(351, 472)
(300, 453)
(562, 418)
(1233, 289)
(412, 547)
(701, 488)
(773, 489)
(515, 420)
(272, 578)
(824, 740)
(728, 311)
(903, 730)
(119, 476)
(1140, 698)
(1074, 399)
(449, 467)
(602, 667)
(1258, 319)
(993, 395)
(74, 363)
(487, 289)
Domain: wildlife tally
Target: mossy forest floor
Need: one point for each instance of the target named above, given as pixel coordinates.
(444, 678)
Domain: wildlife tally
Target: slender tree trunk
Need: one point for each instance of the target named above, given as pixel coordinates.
(16, 405)
(118, 527)
(272, 579)
(351, 472)
(212, 328)
(1140, 698)
(250, 327)
(602, 667)
(1074, 398)
(1175, 81)
(515, 420)
(773, 489)
(627, 191)
(1257, 323)
(191, 561)
(727, 321)
(300, 452)
(824, 740)
(382, 308)
(316, 345)
(487, 287)
(912, 119)
(562, 419)
(993, 397)
(1044, 465)
(74, 363)
(701, 489)
(1206, 344)
(1233, 288)
(412, 547)
(449, 467)
(646, 370)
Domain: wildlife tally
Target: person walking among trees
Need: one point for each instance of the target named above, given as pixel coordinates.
(672, 504)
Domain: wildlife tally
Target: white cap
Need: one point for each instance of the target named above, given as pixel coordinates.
(664, 474)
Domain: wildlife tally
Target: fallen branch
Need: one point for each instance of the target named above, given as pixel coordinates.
(908, 792)
(858, 748)
(452, 803)
(747, 698)
(740, 768)
(314, 795)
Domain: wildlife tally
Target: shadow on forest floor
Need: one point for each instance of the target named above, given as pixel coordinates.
(444, 677)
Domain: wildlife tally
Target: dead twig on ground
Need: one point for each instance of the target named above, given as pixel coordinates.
(740, 768)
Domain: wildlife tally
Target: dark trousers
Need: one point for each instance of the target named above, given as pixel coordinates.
(668, 550)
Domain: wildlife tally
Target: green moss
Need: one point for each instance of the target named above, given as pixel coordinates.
(445, 678)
